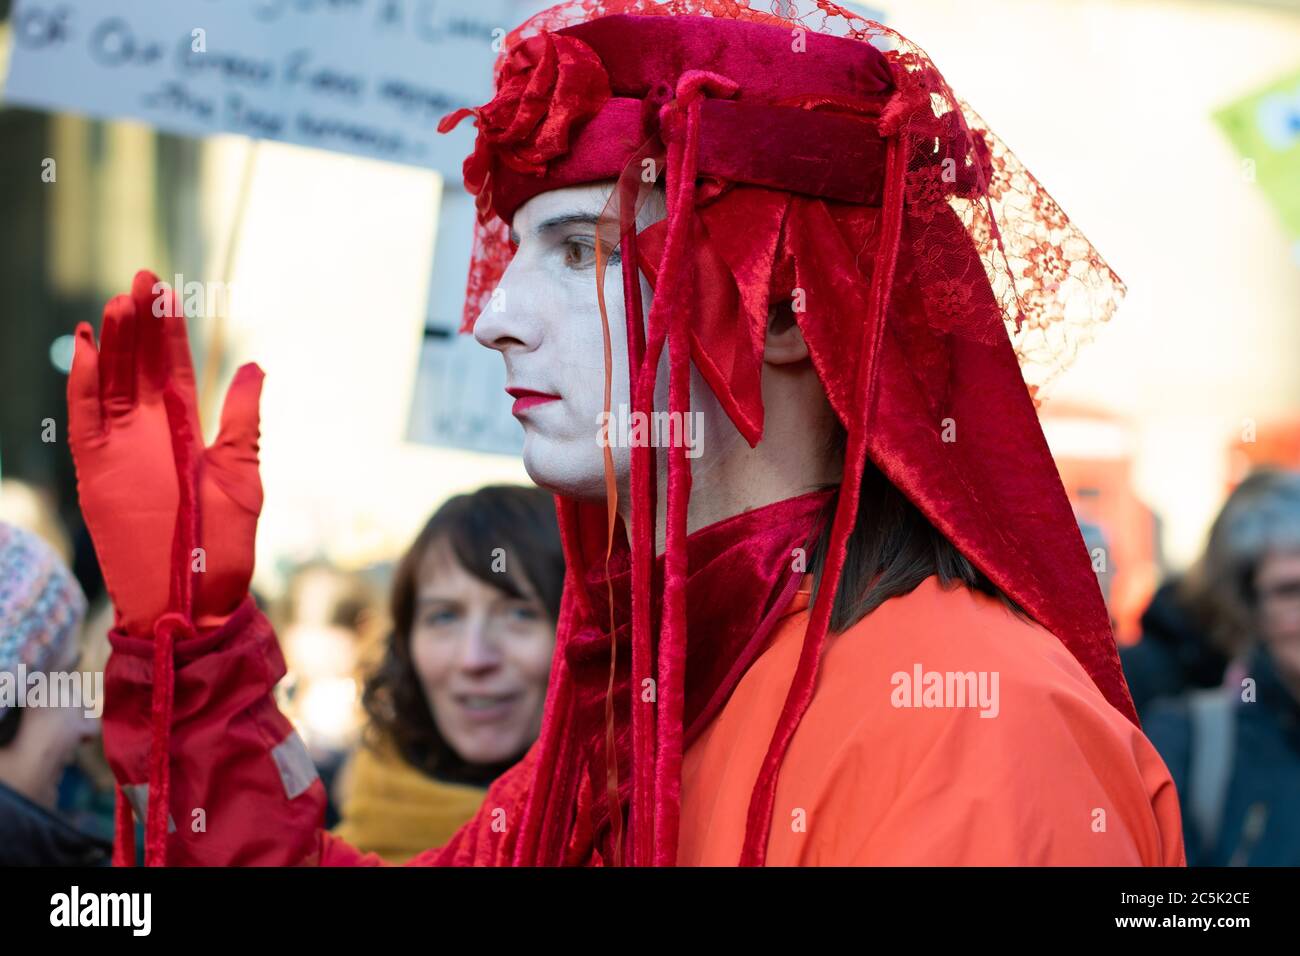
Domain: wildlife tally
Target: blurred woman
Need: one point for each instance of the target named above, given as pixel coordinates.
(1234, 751)
(1197, 622)
(41, 614)
(458, 697)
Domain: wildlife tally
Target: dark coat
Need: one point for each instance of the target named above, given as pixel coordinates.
(30, 835)
(1260, 820)
(1174, 655)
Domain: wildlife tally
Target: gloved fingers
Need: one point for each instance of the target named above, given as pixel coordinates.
(117, 359)
(172, 355)
(240, 418)
(165, 345)
(85, 418)
(150, 373)
(176, 342)
(233, 456)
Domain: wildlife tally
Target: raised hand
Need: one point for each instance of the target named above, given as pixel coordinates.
(132, 422)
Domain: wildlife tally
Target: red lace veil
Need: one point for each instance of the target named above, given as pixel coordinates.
(819, 160)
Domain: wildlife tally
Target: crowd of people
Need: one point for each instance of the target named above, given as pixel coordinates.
(413, 706)
(859, 628)
(450, 673)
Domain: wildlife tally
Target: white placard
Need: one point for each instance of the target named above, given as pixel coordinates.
(460, 398)
(367, 77)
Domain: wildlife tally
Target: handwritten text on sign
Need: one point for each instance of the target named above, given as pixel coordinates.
(369, 77)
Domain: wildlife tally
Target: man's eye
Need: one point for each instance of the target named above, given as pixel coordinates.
(579, 254)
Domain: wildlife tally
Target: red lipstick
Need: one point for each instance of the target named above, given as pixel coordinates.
(526, 398)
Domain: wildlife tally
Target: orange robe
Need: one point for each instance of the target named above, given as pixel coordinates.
(1053, 776)
(1043, 772)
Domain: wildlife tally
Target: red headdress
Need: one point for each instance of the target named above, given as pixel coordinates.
(933, 280)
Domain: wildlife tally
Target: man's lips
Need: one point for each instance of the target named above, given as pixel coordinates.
(526, 398)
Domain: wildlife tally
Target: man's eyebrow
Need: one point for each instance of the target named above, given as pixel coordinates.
(557, 222)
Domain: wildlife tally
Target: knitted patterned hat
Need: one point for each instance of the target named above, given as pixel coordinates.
(41, 604)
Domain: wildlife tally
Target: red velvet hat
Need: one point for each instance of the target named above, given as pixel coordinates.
(824, 162)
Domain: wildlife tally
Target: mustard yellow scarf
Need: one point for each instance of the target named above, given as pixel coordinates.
(395, 810)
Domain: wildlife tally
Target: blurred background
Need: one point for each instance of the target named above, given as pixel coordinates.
(1169, 130)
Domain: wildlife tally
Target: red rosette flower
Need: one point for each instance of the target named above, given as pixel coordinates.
(548, 85)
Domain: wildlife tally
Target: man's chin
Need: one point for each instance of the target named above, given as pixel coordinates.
(564, 470)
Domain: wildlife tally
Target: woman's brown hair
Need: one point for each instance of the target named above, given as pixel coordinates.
(1261, 514)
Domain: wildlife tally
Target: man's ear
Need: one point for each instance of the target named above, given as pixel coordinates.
(784, 344)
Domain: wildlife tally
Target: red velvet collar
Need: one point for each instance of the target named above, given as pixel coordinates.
(744, 574)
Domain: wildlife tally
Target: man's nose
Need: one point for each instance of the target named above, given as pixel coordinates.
(507, 323)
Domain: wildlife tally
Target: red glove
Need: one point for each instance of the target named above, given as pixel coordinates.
(126, 452)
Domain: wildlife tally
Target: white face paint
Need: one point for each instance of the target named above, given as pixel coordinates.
(545, 322)
(544, 319)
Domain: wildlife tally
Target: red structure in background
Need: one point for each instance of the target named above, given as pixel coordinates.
(1275, 443)
(1094, 453)
(1093, 450)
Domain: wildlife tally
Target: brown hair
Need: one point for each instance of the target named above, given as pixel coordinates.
(9, 722)
(892, 549)
(521, 521)
(1261, 514)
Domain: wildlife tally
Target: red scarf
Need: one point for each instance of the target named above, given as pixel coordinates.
(744, 571)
